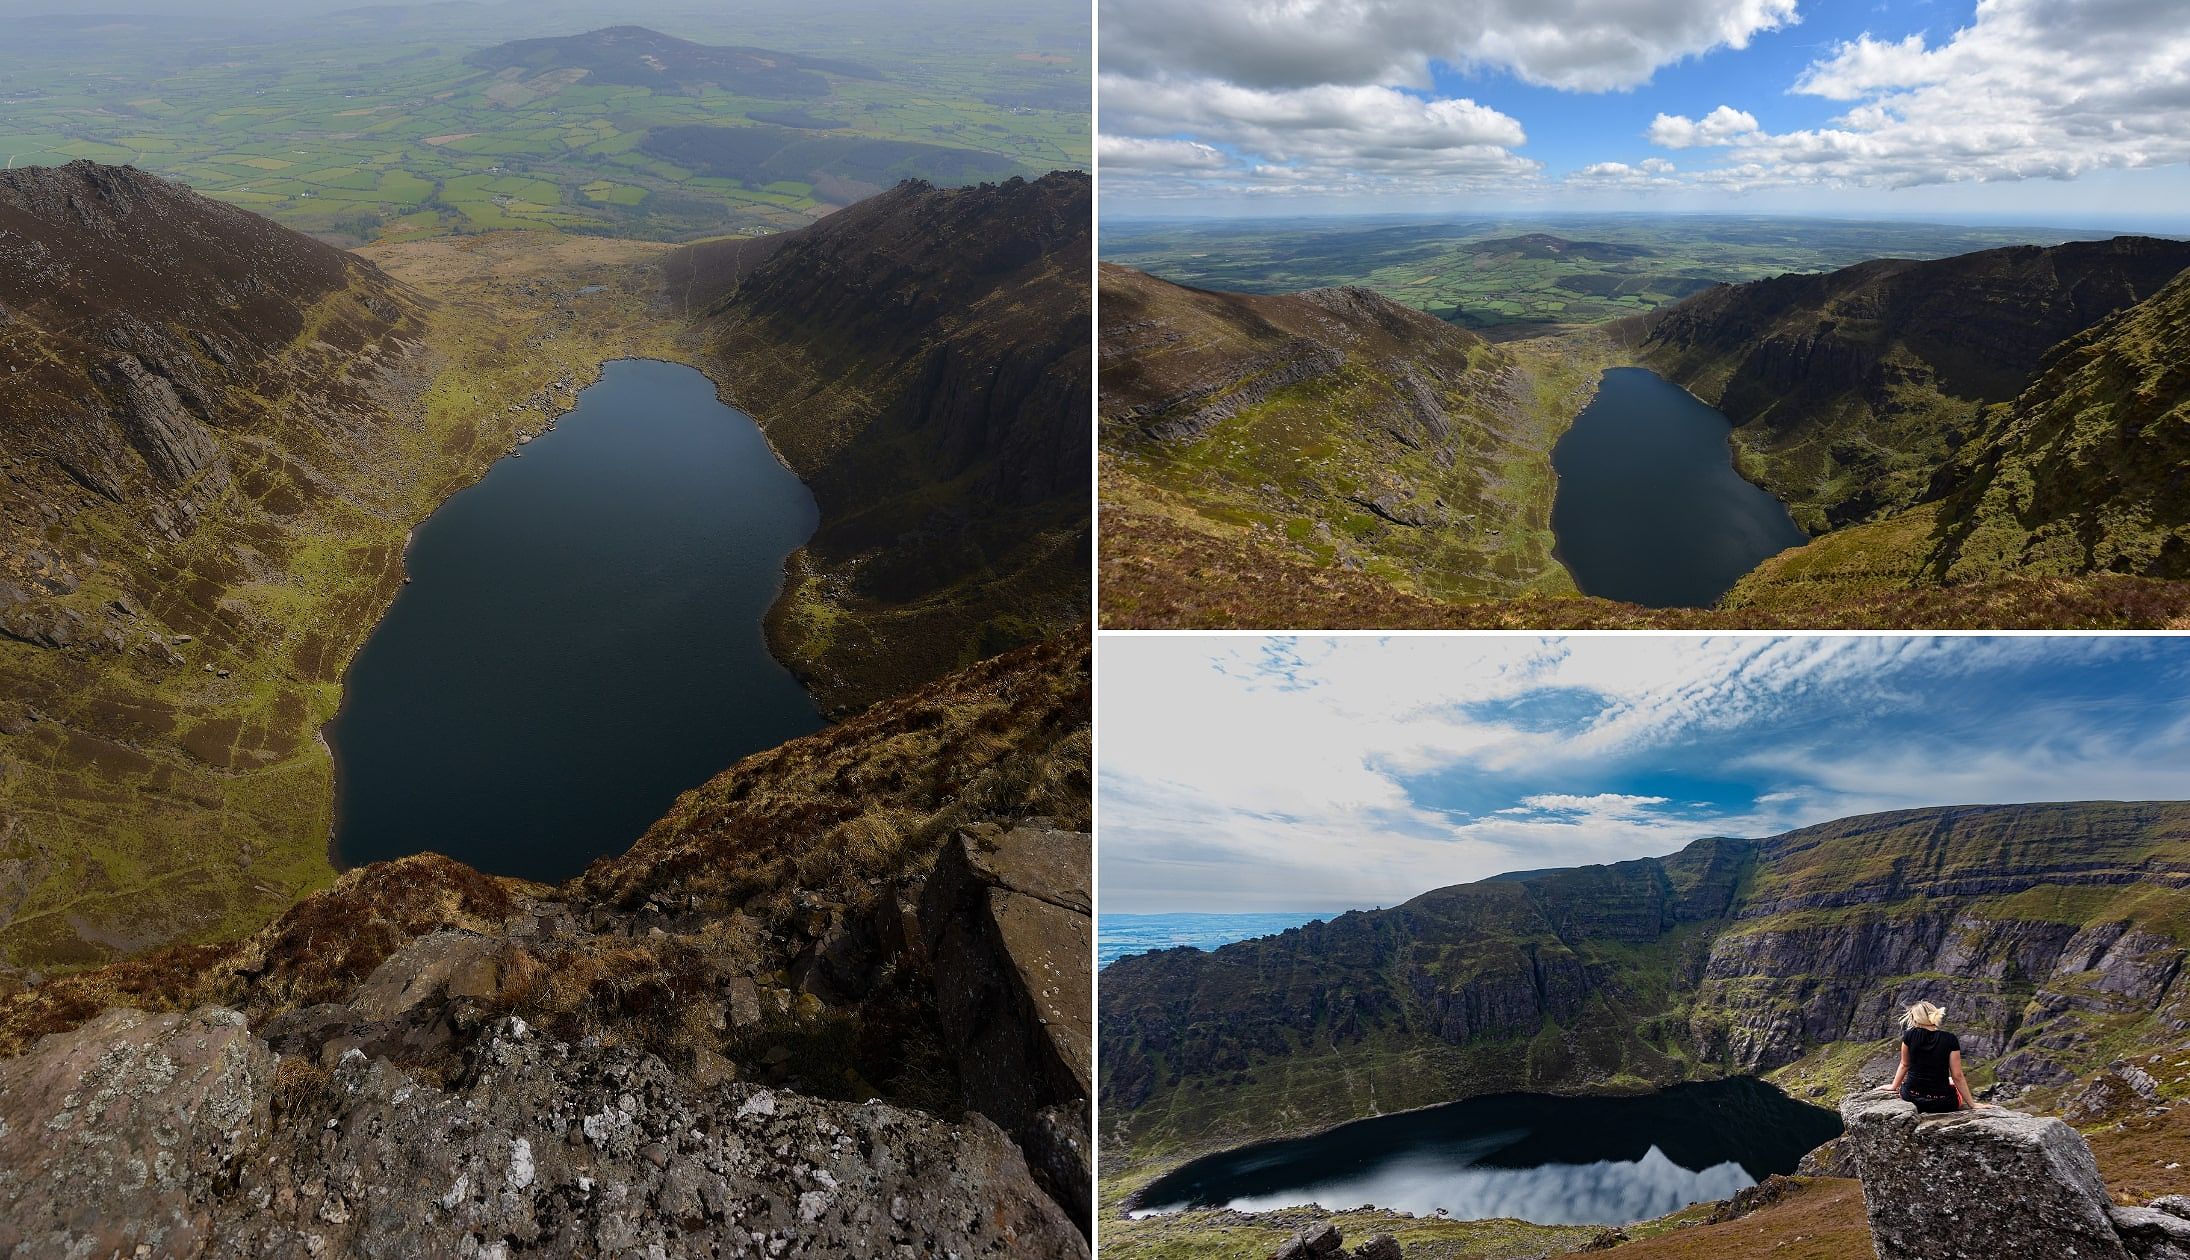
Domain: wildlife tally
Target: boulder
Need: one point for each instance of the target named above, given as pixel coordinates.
(2151, 1233)
(1997, 1184)
(1381, 1247)
(1828, 1160)
(1320, 1239)
(116, 1136)
(443, 965)
(1008, 941)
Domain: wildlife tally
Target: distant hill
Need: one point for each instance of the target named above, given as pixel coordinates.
(1545, 245)
(1852, 388)
(636, 56)
(2056, 933)
(921, 361)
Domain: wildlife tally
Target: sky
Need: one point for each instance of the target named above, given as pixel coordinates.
(2065, 111)
(1251, 774)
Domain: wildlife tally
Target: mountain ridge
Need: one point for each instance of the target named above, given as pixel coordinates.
(920, 361)
(1820, 372)
(2055, 931)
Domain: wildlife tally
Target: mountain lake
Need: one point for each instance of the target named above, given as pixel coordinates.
(1649, 508)
(580, 640)
(1550, 1159)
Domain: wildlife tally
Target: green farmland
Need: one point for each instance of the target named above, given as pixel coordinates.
(374, 124)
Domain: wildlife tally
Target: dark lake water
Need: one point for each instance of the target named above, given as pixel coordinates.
(581, 639)
(1649, 508)
(1555, 1161)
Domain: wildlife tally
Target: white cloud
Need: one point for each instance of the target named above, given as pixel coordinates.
(1130, 154)
(1330, 97)
(1723, 125)
(1319, 773)
(2030, 89)
(1326, 137)
(1579, 45)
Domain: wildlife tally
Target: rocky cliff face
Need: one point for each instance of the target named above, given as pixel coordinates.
(824, 1003)
(1850, 389)
(154, 341)
(2050, 930)
(1334, 425)
(920, 360)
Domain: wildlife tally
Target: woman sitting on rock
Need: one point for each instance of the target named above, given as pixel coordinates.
(1931, 1063)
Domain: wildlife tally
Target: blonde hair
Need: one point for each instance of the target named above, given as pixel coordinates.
(1923, 1015)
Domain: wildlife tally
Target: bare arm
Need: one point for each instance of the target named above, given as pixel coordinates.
(1961, 1082)
(1903, 1074)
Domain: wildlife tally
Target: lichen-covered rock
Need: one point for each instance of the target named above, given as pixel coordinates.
(2152, 1234)
(1994, 1184)
(141, 1131)
(122, 1134)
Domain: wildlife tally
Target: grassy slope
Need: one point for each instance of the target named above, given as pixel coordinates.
(1164, 566)
(1297, 423)
(1850, 389)
(2090, 468)
(157, 805)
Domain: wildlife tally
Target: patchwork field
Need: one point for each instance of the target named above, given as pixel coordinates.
(398, 123)
(1515, 277)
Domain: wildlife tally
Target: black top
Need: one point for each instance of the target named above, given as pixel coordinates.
(1928, 1051)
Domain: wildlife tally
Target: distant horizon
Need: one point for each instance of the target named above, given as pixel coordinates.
(2175, 227)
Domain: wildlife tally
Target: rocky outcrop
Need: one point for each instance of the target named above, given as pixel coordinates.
(1323, 1241)
(828, 1005)
(1007, 932)
(186, 1136)
(1995, 1184)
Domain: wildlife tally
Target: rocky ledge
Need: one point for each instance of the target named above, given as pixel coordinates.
(1996, 1184)
(448, 1103)
(186, 1135)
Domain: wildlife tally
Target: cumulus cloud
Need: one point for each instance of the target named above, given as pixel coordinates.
(2030, 89)
(1580, 45)
(1319, 773)
(1328, 137)
(1723, 125)
(1332, 96)
(1131, 154)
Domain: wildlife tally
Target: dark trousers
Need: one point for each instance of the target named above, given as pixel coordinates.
(1930, 1103)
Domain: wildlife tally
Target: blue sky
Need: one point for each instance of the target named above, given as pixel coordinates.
(2073, 112)
(1321, 774)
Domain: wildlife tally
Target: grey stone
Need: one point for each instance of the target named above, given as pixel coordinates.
(1997, 1184)
(118, 1135)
